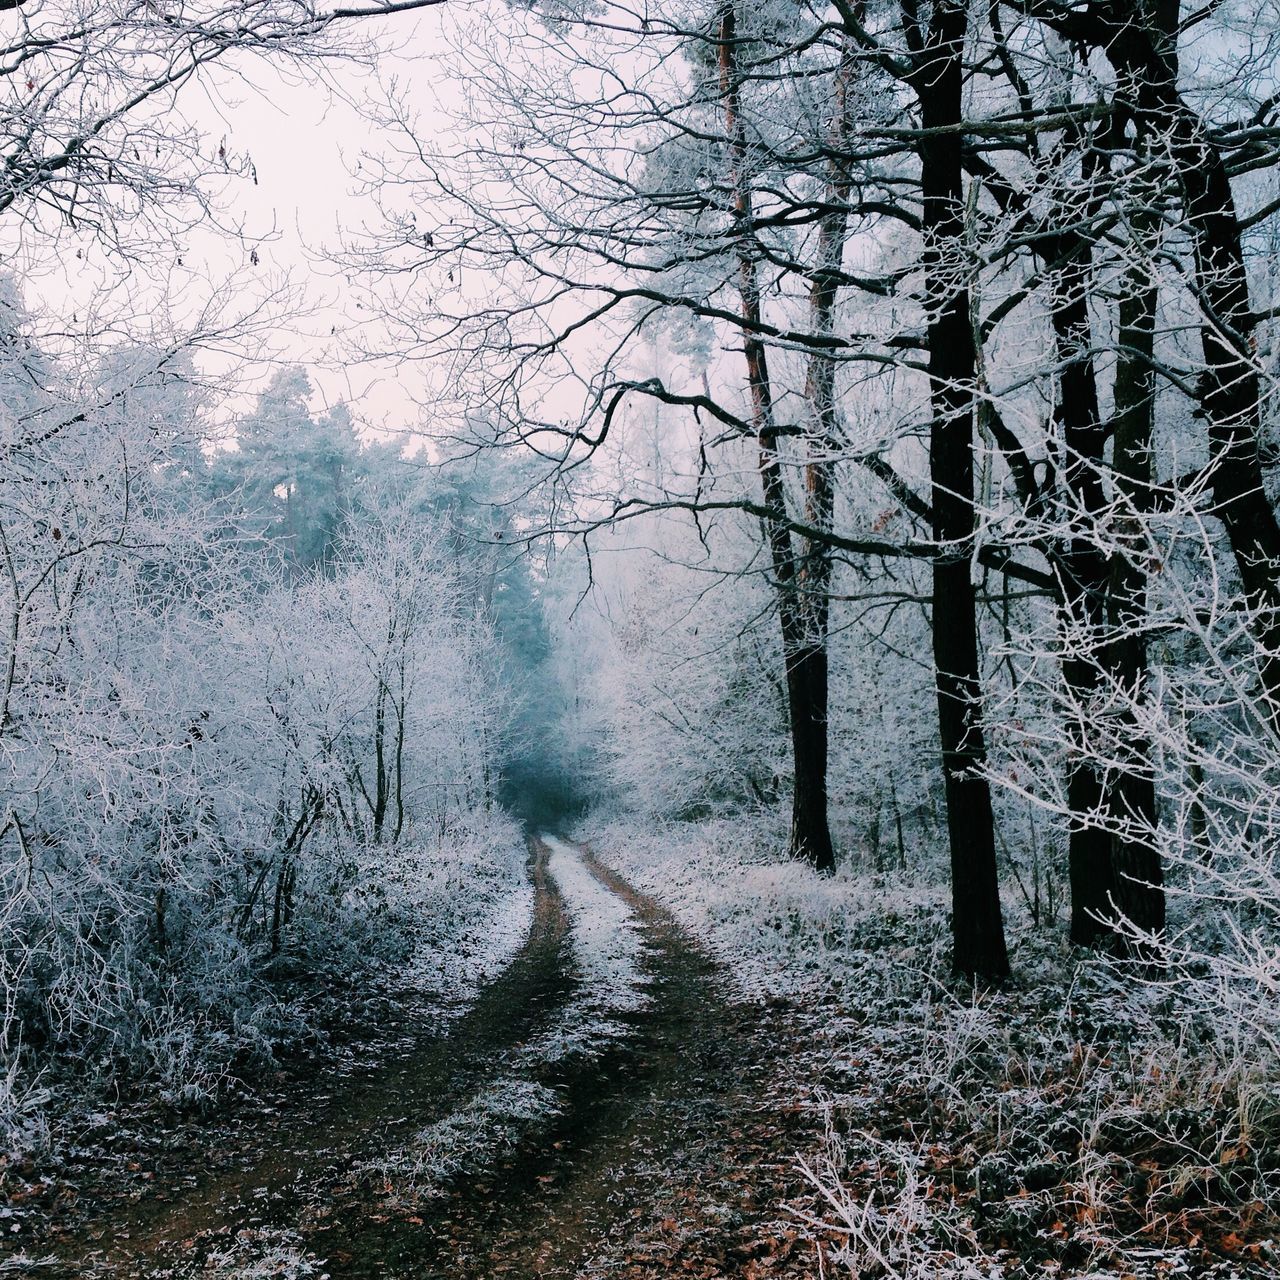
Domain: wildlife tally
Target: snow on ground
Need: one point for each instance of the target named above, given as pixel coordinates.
(607, 949)
(607, 954)
(474, 901)
(781, 930)
(489, 1126)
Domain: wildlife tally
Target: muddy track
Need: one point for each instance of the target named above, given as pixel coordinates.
(559, 1203)
(646, 1128)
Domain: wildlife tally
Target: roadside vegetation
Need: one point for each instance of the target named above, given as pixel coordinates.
(254, 728)
(1082, 1119)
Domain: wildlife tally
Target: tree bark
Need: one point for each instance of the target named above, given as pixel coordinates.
(1131, 797)
(1114, 869)
(1085, 576)
(803, 621)
(977, 923)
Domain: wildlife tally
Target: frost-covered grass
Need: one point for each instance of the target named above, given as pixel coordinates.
(780, 930)
(427, 920)
(488, 1126)
(1077, 1122)
(263, 1256)
(469, 911)
(607, 952)
(607, 944)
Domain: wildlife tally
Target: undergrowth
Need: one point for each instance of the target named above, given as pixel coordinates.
(187, 1026)
(1081, 1120)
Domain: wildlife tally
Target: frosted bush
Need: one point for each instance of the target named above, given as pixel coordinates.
(258, 1256)
(22, 1099)
(894, 1225)
(183, 825)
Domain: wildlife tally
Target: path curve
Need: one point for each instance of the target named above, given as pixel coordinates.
(357, 1121)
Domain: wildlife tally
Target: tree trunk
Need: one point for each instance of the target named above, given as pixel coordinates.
(804, 640)
(1143, 49)
(401, 710)
(279, 905)
(977, 924)
(1084, 575)
(381, 789)
(1131, 799)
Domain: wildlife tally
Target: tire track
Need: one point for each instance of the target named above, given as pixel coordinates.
(563, 1205)
(667, 1117)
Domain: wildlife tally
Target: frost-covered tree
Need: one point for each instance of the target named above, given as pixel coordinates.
(207, 766)
(291, 473)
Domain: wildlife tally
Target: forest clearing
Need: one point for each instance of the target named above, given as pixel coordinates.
(640, 641)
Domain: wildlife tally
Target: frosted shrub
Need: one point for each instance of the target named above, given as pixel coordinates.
(260, 1256)
(21, 1101)
(211, 779)
(894, 1224)
(782, 929)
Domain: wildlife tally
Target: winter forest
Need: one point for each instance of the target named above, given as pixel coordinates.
(640, 642)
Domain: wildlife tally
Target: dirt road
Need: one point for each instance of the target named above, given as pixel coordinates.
(668, 1151)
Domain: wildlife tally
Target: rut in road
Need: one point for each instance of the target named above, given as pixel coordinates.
(651, 1110)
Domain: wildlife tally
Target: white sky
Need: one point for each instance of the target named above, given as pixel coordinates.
(305, 140)
(304, 134)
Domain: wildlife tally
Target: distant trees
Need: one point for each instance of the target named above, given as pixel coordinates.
(299, 485)
(690, 710)
(214, 761)
(291, 478)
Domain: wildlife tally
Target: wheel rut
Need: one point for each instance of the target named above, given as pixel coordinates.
(557, 1206)
(358, 1120)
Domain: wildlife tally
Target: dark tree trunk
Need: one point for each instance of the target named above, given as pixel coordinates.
(381, 789)
(399, 762)
(808, 684)
(802, 609)
(162, 932)
(813, 595)
(1084, 575)
(937, 78)
(1113, 870)
(897, 823)
(1131, 799)
(281, 907)
(1141, 43)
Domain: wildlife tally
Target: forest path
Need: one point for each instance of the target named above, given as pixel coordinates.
(661, 1155)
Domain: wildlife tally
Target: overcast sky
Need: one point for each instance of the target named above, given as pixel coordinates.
(304, 130)
(305, 138)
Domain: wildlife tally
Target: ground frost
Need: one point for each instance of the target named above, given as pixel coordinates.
(608, 950)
